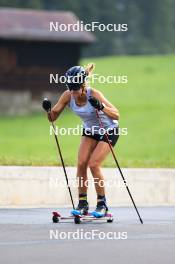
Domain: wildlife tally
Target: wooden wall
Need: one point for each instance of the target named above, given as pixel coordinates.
(27, 65)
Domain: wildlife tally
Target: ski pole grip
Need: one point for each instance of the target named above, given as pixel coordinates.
(46, 105)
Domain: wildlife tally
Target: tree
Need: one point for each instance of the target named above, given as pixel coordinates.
(151, 24)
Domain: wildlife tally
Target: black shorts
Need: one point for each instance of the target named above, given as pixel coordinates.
(113, 135)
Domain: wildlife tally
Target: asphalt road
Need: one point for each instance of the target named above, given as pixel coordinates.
(29, 236)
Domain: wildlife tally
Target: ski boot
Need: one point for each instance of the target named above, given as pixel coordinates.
(101, 209)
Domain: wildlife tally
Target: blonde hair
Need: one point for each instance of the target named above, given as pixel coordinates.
(89, 68)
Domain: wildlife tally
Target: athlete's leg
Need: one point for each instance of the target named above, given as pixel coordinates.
(86, 148)
(98, 156)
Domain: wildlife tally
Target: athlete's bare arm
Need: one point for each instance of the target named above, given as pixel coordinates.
(109, 109)
(60, 105)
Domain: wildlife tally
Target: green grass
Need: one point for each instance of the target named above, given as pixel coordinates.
(146, 105)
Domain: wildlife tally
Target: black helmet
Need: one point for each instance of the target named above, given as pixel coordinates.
(75, 76)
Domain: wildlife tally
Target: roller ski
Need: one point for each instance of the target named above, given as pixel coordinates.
(78, 219)
(76, 214)
(81, 214)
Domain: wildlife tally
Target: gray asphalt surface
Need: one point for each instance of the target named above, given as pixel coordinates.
(25, 237)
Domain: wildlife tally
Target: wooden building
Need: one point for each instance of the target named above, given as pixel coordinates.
(29, 51)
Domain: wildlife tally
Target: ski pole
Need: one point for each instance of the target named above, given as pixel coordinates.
(123, 178)
(47, 107)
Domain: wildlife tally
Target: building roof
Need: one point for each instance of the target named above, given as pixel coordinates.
(34, 25)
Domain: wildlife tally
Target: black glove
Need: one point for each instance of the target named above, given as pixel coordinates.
(46, 105)
(95, 103)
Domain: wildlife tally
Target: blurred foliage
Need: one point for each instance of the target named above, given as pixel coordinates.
(151, 23)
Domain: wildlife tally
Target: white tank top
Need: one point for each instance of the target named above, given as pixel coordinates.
(88, 114)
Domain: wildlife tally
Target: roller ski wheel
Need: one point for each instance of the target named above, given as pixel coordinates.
(77, 220)
(55, 219)
(110, 220)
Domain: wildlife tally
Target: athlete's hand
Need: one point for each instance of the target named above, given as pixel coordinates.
(47, 107)
(95, 103)
(51, 116)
